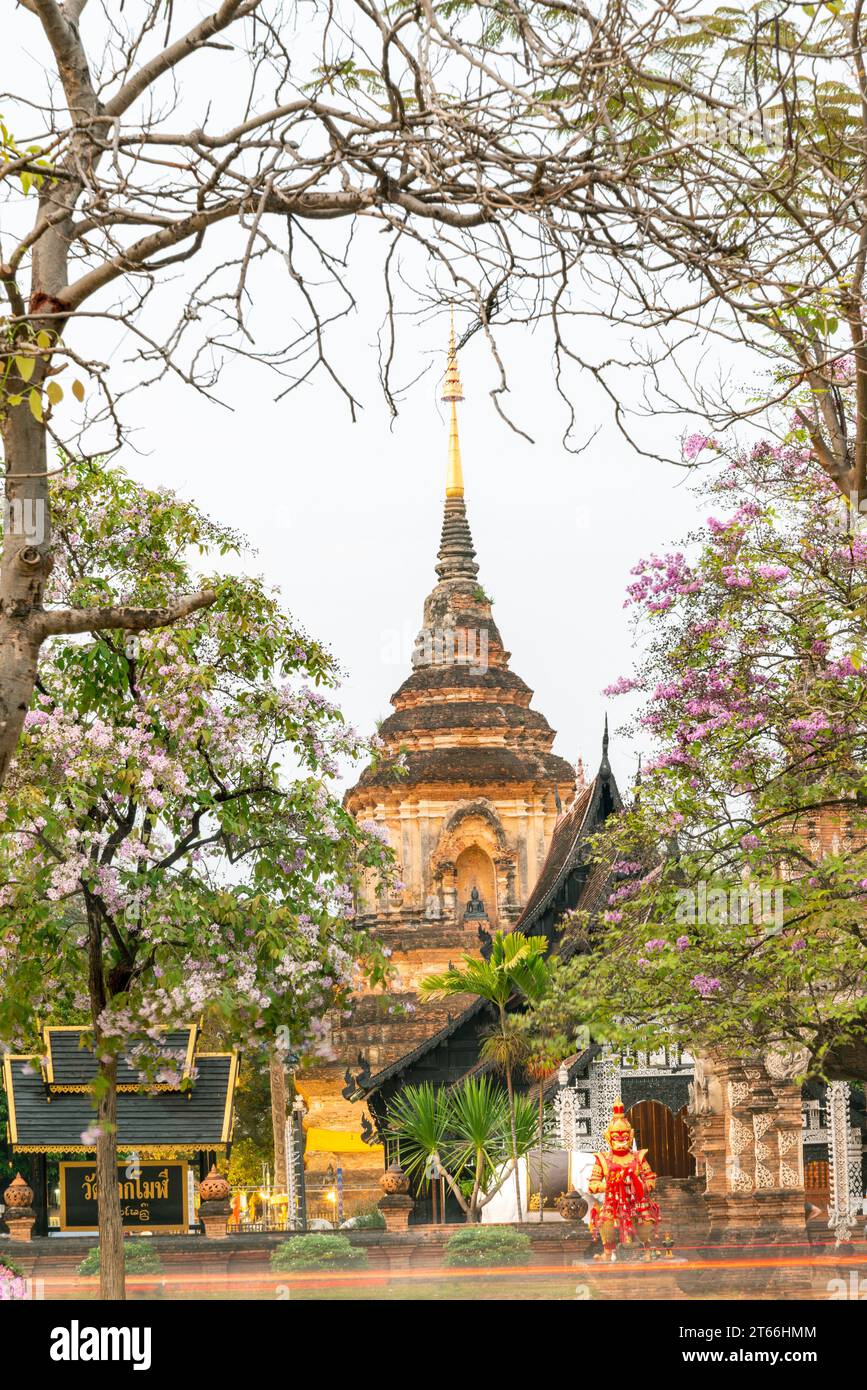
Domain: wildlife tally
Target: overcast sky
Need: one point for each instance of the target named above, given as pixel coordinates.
(345, 518)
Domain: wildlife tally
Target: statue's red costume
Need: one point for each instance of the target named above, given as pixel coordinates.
(626, 1181)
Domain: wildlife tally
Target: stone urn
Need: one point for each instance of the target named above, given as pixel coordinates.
(19, 1194)
(213, 1188)
(20, 1217)
(571, 1206)
(394, 1181)
(214, 1205)
(395, 1204)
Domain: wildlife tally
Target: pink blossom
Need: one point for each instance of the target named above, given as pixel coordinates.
(621, 686)
(695, 444)
(705, 985)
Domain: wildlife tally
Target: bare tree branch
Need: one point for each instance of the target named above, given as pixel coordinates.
(129, 619)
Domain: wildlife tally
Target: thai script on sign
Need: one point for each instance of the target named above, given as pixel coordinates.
(136, 1189)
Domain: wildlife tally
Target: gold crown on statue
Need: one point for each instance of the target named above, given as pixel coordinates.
(618, 1122)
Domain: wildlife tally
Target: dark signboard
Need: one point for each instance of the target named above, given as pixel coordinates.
(153, 1196)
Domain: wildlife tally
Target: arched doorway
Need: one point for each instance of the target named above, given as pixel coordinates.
(666, 1138)
(475, 870)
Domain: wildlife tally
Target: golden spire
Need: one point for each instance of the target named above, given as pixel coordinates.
(453, 392)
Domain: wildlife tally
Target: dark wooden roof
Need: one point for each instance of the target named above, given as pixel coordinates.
(198, 1118)
(70, 1060)
(476, 1006)
(568, 847)
(569, 834)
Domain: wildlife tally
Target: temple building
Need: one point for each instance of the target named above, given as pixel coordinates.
(468, 792)
(493, 831)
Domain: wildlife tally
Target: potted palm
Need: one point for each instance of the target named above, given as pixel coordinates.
(516, 967)
(465, 1134)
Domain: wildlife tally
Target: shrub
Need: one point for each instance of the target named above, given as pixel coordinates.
(139, 1257)
(371, 1220)
(318, 1252)
(9, 1269)
(487, 1245)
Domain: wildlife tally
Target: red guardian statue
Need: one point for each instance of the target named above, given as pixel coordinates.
(625, 1180)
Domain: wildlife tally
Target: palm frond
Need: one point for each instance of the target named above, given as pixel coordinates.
(418, 1122)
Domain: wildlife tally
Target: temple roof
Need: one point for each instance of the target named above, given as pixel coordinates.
(441, 681)
(463, 714)
(568, 844)
(51, 1116)
(70, 1064)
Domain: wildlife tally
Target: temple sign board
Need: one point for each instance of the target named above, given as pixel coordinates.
(153, 1197)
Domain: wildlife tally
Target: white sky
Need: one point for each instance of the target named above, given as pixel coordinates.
(345, 518)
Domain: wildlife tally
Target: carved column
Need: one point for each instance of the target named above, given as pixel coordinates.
(747, 1137)
(565, 1108)
(508, 907)
(449, 891)
(604, 1091)
(844, 1164)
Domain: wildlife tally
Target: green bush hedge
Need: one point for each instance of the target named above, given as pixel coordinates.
(139, 1257)
(478, 1246)
(318, 1252)
(369, 1221)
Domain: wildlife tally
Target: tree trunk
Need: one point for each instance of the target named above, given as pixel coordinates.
(541, 1146)
(511, 1092)
(112, 1283)
(26, 560)
(474, 1213)
(514, 1141)
(278, 1120)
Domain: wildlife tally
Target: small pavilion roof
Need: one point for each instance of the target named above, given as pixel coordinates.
(70, 1064)
(45, 1119)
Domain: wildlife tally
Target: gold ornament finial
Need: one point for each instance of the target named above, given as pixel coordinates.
(452, 389)
(453, 392)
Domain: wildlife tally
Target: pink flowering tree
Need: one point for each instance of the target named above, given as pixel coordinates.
(170, 844)
(736, 914)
